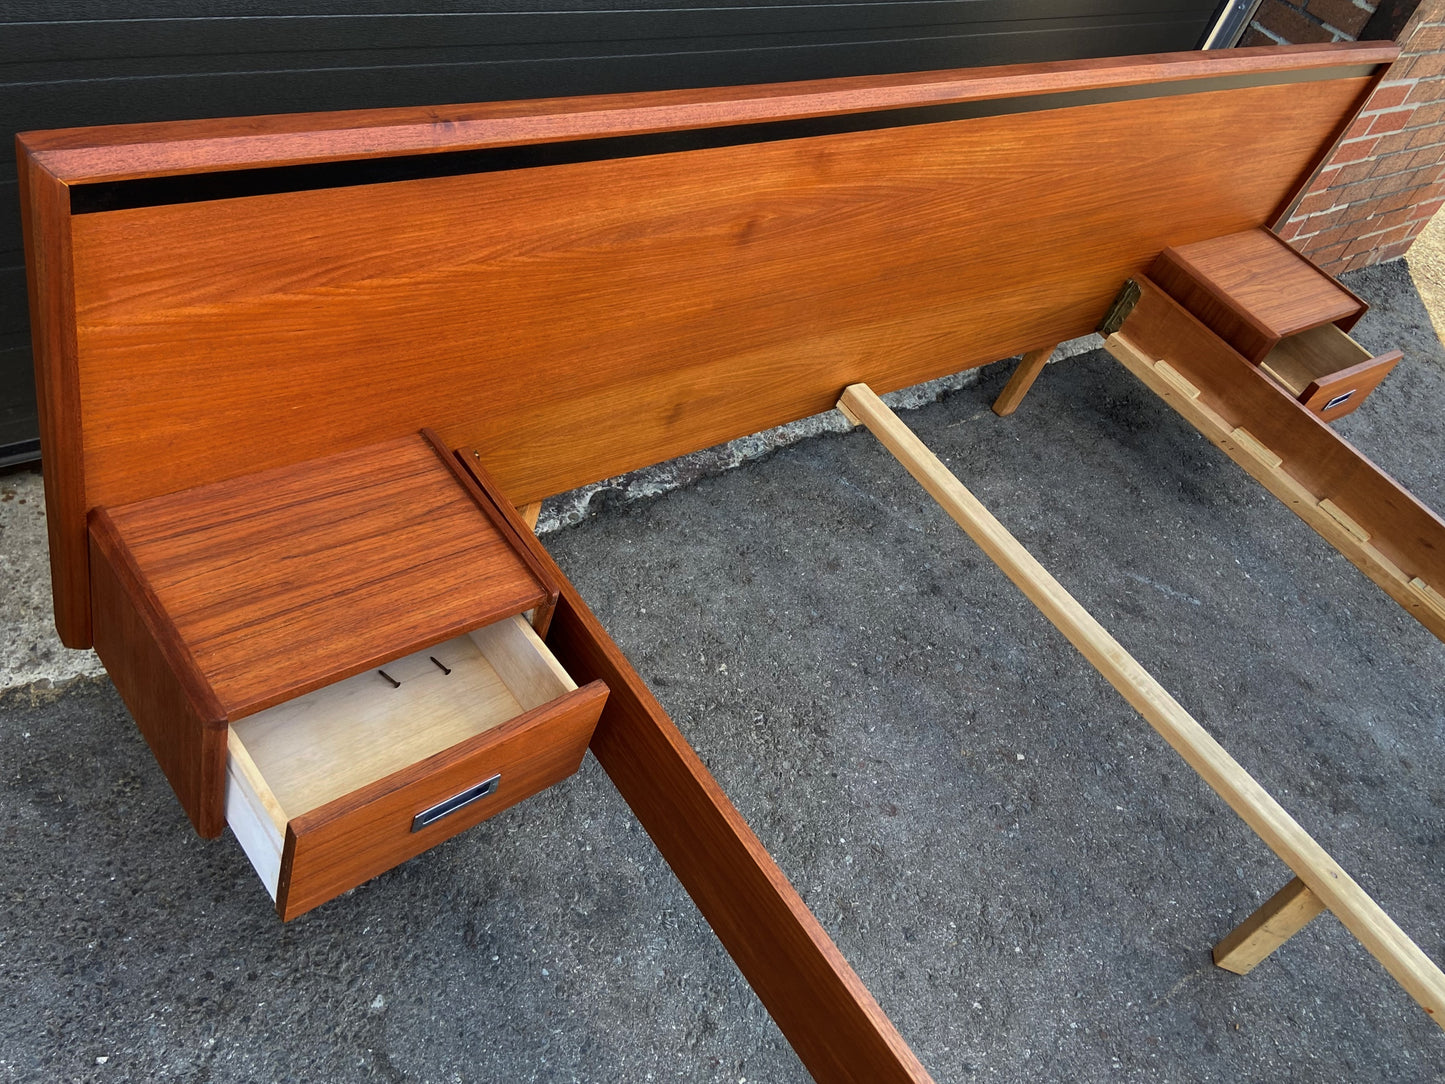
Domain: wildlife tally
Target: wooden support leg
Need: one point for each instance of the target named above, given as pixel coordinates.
(530, 512)
(1282, 916)
(1023, 379)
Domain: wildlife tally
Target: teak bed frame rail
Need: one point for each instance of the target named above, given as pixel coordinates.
(1384, 531)
(564, 290)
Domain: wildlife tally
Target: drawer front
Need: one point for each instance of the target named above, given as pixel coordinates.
(1326, 370)
(1337, 394)
(352, 839)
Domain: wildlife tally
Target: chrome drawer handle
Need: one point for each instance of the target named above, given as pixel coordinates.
(474, 793)
(1337, 401)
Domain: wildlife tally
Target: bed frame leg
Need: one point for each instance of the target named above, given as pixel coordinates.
(1023, 379)
(1282, 916)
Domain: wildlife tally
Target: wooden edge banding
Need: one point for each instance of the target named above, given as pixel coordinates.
(1278, 919)
(513, 531)
(283, 879)
(119, 152)
(817, 1000)
(1359, 913)
(1312, 470)
(1024, 375)
(45, 226)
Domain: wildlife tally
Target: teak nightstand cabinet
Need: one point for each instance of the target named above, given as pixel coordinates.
(331, 657)
(1280, 312)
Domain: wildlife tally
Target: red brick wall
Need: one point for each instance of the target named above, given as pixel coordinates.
(1280, 23)
(1387, 178)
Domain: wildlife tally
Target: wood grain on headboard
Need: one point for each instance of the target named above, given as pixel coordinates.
(582, 287)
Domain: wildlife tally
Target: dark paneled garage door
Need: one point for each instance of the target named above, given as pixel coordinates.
(73, 62)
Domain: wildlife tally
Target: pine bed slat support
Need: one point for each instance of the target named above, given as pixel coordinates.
(1278, 919)
(1324, 877)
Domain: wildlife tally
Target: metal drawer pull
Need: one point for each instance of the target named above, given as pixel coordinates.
(1337, 400)
(474, 793)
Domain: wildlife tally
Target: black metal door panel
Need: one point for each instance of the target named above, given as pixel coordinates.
(79, 62)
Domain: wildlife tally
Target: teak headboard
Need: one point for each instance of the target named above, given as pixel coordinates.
(579, 287)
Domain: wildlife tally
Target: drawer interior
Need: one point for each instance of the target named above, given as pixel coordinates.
(1300, 360)
(306, 752)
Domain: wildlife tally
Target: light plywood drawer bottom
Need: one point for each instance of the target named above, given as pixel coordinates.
(330, 789)
(1326, 370)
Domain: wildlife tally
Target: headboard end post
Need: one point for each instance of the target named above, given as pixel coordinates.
(49, 268)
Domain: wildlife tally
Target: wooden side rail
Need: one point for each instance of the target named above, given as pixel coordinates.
(812, 993)
(1360, 510)
(1323, 876)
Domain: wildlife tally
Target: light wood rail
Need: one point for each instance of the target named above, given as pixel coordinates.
(1354, 907)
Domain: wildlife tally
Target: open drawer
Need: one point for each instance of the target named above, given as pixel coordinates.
(332, 657)
(1326, 370)
(1279, 311)
(332, 788)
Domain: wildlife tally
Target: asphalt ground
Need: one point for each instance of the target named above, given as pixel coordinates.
(1025, 876)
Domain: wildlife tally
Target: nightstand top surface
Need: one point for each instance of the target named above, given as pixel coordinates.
(286, 580)
(1260, 275)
